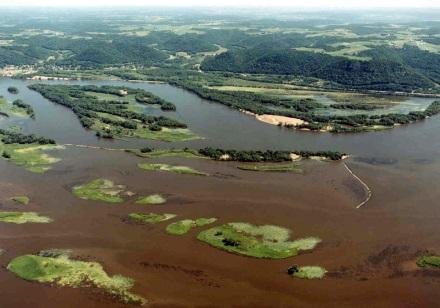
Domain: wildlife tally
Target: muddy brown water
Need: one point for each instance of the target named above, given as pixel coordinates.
(369, 252)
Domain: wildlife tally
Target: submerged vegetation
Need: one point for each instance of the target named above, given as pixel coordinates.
(170, 168)
(100, 190)
(266, 241)
(151, 218)
(56, 267)
(112, 111)
(22, 217)
(184, 226)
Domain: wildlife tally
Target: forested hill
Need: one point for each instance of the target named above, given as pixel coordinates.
(398, 71)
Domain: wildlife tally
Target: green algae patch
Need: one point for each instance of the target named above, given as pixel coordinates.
(184, 226)
(428, 261)
(24, 200)
(32, 157)
(266, 241)
(152, 199)
(170, 168)
(22, 217)
(309, 272)
(60, 270)
(150, 218)
(100, 190)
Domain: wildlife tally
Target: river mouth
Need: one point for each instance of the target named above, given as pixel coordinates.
(400, 166)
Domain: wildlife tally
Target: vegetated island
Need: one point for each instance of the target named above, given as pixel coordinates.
(114, 111)
(151, 199)
(23, 107)
(239, 155)
(101, 190)
(22, 217)
(429, 261)
(18, 108)
(184, 226)
(265, 241)
(307, 272)
(24, 200)
(56, 267)
(13, 90)
(150, 218)
(28, 151)
(170, 168)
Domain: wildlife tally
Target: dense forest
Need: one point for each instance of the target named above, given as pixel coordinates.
(378, 74)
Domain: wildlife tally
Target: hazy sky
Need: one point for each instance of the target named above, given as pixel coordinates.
(255, 3)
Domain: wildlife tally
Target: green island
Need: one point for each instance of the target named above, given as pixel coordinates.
(265, 241)
(307, 272)
(272, 167)
(24, 200)
(184, 226)
(57, 268)
(101, 190)
(116, 111)
(28, 151)
(151, 199)
(269, 155)
(18, 108)
(150, 218)
(170, 168)
(22, 217)
(429, 261)
(13, 90)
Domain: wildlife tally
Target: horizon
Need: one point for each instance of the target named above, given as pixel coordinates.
(311, 4)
